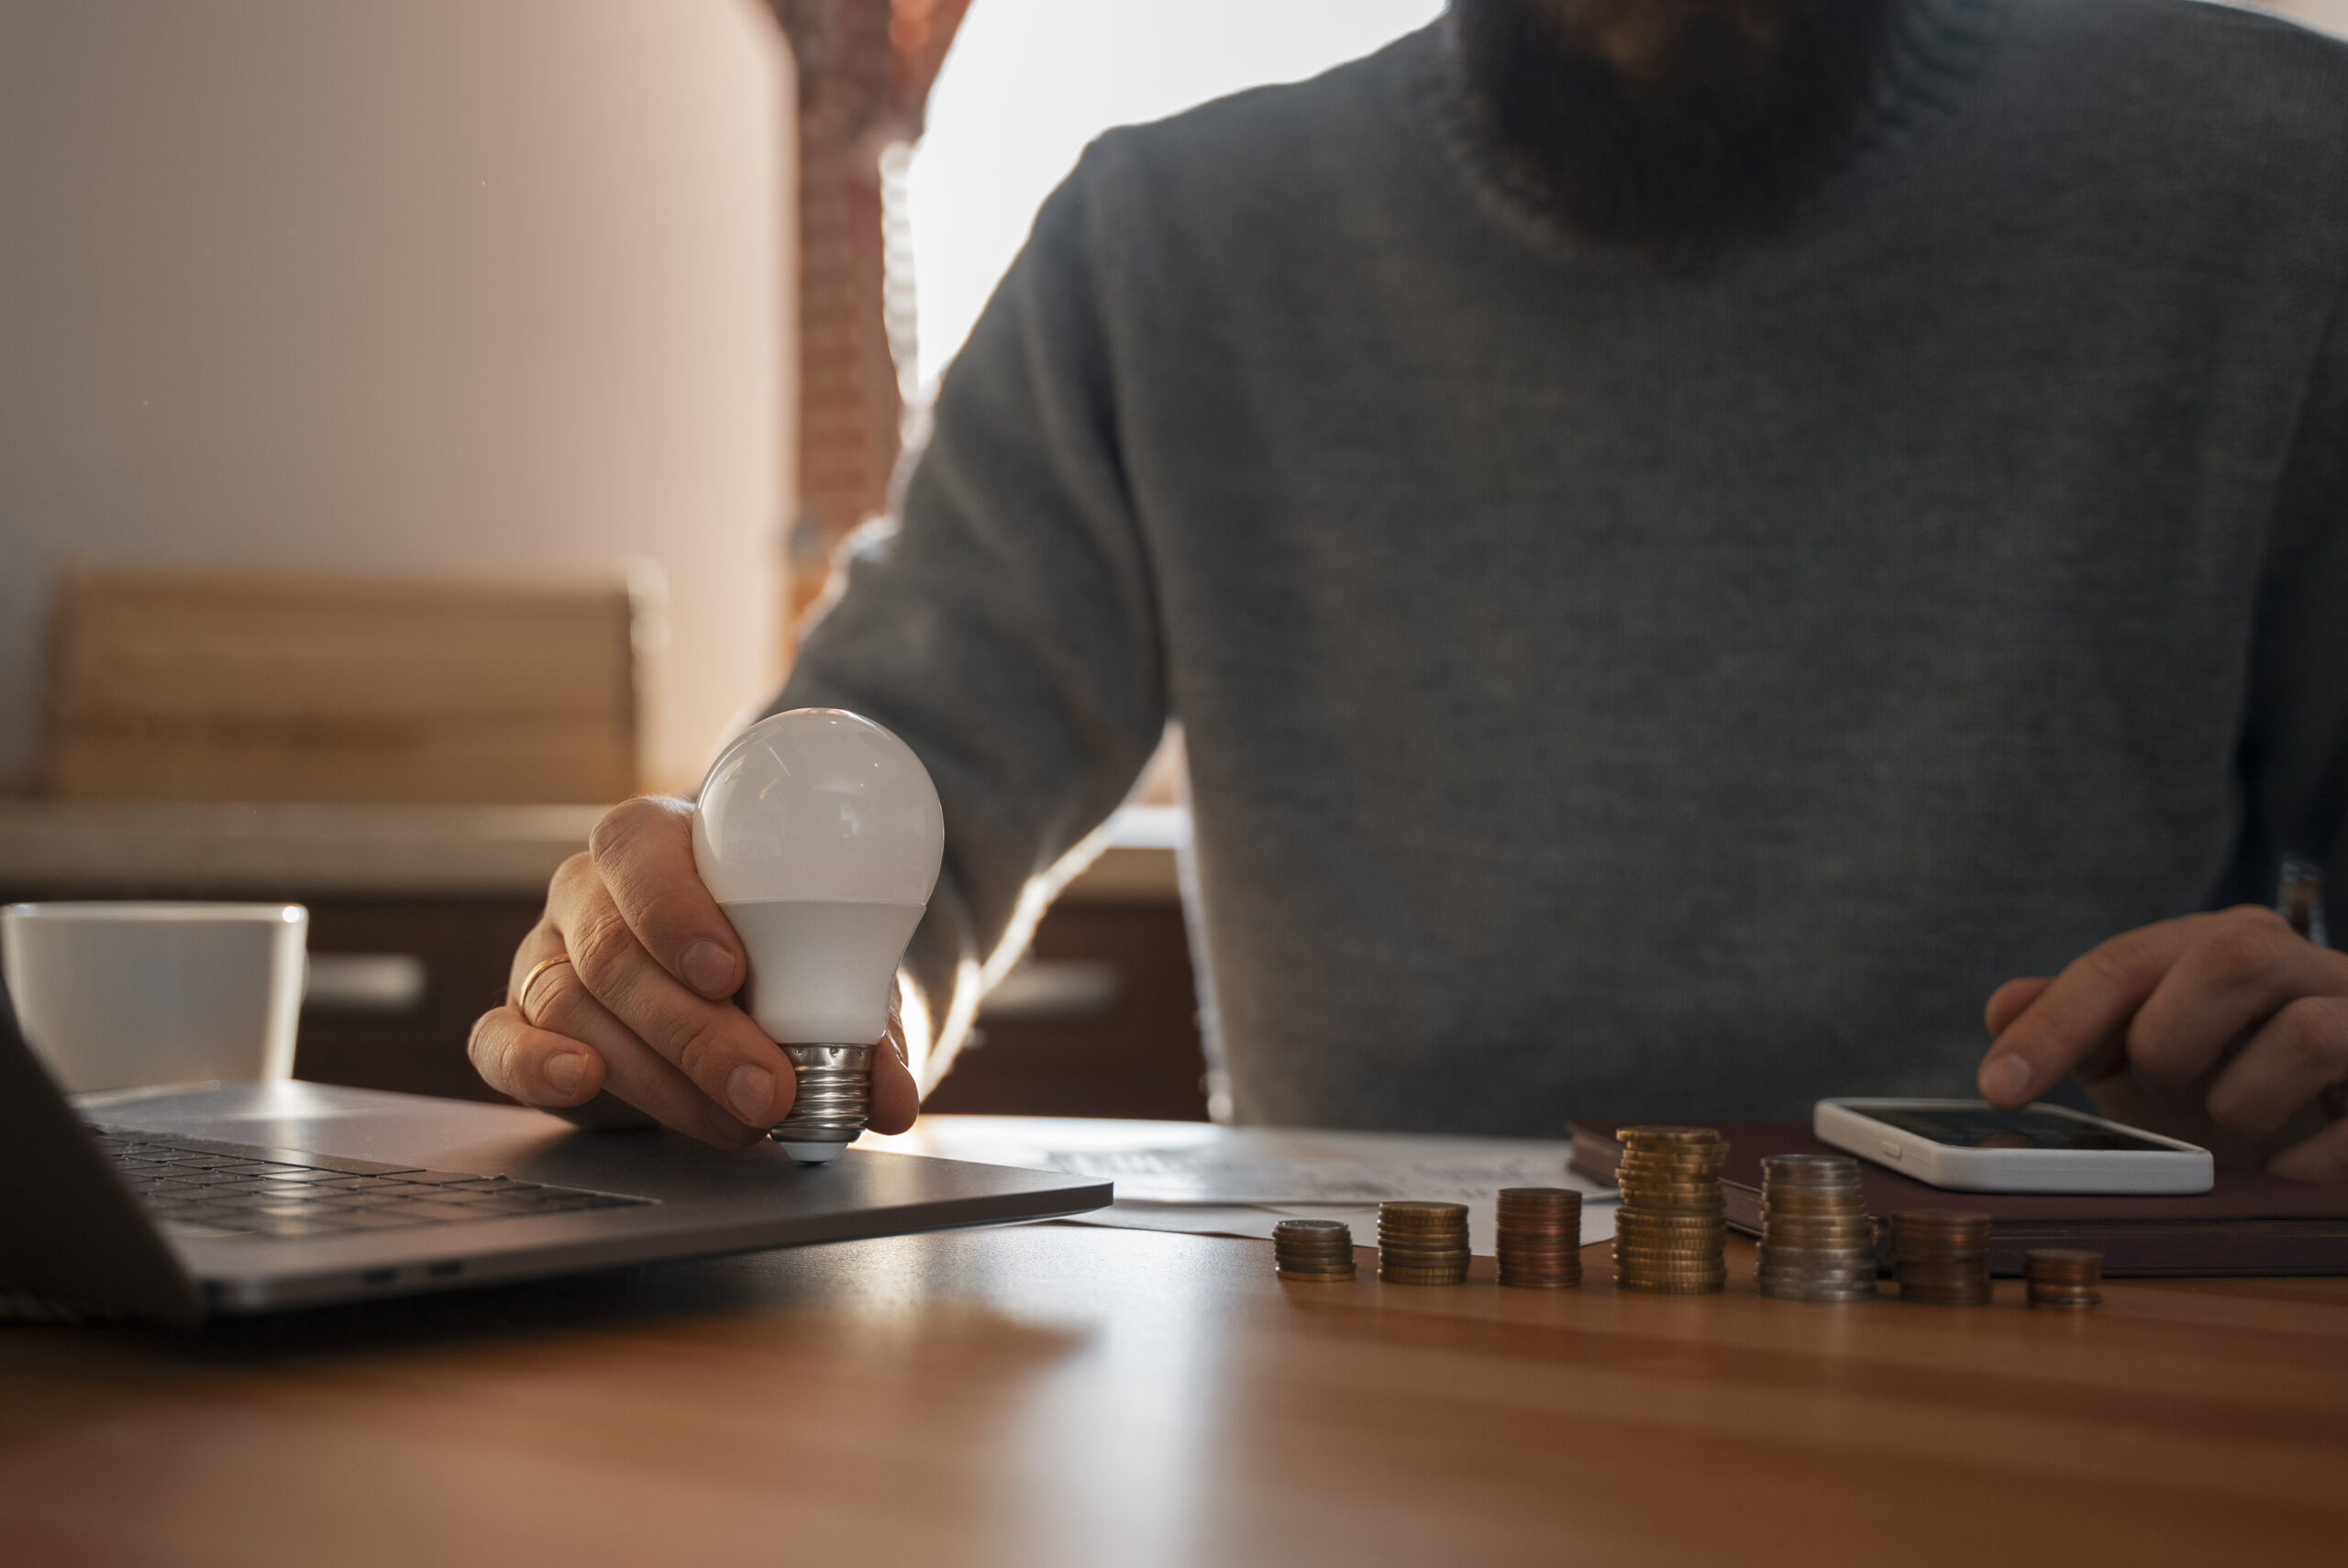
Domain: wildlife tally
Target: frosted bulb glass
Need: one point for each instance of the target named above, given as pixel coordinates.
(819, 834)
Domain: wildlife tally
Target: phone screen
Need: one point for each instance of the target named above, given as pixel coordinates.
(1985, 1127)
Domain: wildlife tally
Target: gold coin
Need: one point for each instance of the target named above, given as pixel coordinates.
(1545, 1202)
(1672, 1286)
(1680, 1153)
(1691, 1199)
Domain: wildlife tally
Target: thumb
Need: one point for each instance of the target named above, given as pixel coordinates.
(896, 1099)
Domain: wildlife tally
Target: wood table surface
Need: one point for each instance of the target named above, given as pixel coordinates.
(1050, 1395)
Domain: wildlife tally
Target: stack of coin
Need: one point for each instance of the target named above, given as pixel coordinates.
(1668, 1230)
(1540, 1237)
(1314, 1250)
(1941, 1257)
(1423, 1243)
(1817, 1243)
(2058, 1277)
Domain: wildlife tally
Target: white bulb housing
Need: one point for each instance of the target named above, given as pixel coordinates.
(820, 833)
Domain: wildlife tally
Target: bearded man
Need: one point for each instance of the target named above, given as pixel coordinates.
(1690, 539)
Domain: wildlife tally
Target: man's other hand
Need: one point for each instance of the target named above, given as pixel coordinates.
(644, 1010)
(2227, 1030)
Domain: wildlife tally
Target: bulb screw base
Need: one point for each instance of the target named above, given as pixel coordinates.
(834, 1099)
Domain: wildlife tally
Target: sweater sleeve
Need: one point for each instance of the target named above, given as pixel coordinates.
(2295, 739)
(1006, 628)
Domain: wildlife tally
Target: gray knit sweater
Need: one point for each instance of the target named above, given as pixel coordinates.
(1618, 693)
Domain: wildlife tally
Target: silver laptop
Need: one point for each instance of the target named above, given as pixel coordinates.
(180, 1204)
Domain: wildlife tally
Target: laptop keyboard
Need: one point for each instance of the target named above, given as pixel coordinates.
(196, 1186)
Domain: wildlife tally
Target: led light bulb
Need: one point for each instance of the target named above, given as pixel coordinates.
(819, 834)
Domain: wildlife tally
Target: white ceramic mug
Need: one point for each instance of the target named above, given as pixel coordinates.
(120, 995)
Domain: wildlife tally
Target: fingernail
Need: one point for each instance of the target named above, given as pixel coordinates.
(564, 1073)
(2005, 1079)
(750, 1091)
(709, 969)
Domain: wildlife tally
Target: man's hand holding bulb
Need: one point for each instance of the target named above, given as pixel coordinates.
(628, 983)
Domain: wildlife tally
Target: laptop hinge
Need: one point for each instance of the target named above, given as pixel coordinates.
(69, 1230)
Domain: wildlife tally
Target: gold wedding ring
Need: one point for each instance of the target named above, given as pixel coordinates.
(522, 999)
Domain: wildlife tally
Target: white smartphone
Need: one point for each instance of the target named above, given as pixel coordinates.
(1970, 1145)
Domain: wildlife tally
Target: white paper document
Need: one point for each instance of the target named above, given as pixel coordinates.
(1209, 1174)
(1241, 1181)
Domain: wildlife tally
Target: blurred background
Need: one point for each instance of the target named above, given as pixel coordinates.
(423, 422)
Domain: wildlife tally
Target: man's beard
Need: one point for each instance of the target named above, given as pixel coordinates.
(1727, 122)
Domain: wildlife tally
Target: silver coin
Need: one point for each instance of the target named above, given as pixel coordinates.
(1806, 1293)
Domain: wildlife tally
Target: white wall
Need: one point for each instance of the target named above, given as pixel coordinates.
(2328, 14)
(413, 287)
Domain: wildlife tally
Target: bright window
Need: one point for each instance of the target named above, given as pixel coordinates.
(1029, 82)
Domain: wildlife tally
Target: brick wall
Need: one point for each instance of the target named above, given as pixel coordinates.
(865, 70)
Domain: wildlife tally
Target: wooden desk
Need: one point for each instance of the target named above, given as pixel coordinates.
(1062, 1395)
